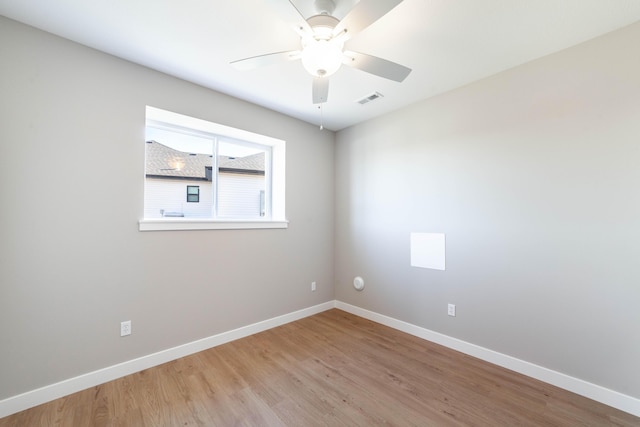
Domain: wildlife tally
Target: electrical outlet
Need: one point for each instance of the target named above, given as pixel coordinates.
(313, 286)
(125, 328)
(451, 310)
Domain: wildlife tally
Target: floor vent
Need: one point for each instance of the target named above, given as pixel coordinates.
(369, 98)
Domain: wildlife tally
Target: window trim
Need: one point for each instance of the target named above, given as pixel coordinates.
(168, 224)
(158, 117)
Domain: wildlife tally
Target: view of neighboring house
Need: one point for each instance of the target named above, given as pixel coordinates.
(181, 184)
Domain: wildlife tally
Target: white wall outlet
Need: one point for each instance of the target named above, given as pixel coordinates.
(313, 286)
(451, 310)
(125, 328)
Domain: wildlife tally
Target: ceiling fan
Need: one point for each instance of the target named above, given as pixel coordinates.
(322, 39)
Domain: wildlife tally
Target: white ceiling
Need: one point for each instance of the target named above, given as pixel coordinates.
(447, 43)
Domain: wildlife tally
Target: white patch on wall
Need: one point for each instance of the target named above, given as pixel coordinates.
(427, 250)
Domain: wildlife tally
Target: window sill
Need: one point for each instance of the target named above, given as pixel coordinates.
(170, 224)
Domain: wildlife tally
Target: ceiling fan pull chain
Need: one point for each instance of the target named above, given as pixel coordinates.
(321, 117)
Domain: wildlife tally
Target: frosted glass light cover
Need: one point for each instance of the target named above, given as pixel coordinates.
(322, 58)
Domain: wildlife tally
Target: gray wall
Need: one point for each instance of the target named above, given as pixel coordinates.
(72, 261)
(534, 176)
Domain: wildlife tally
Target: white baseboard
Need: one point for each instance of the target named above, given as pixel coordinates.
(600, 394)
(51, 392)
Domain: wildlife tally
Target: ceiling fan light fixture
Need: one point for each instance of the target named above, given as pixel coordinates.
(322, 58)
(322, 38)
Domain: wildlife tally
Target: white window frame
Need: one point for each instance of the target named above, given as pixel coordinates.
(161, 118)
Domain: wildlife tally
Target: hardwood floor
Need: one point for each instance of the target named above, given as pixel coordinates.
(331, 369)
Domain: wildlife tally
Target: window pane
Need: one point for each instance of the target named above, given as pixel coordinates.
(193, 194)
(174, 160)
(241, 179)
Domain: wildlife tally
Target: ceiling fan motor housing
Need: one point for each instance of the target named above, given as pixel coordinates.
(322, 26)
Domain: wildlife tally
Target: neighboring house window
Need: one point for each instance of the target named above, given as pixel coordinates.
(193, 193)
(230, 175)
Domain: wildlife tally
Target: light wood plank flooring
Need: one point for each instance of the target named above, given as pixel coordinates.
(331, 369)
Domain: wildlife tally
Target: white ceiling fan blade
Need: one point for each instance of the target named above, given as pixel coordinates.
(320, 90)
(363, 14)
(268, 59)
(378, 66)
(290, 14)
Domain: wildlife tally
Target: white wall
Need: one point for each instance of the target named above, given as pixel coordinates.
(533, 176)
(72, 261)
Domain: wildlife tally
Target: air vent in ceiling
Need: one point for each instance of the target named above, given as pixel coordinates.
(369, 98)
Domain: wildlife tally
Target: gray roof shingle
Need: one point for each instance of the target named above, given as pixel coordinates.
(163, 161)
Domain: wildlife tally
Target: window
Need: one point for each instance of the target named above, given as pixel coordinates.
(233, 178)
(193, 193)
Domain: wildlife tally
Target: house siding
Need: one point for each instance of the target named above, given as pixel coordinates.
(239, 196)
(161, 194)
